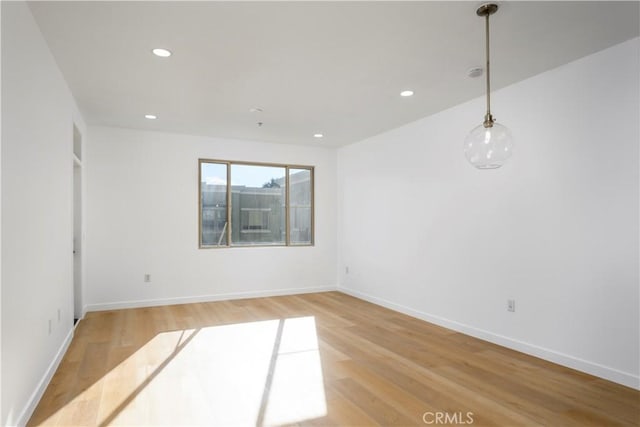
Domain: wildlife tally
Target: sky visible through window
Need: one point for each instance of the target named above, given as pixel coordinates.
(249, 175)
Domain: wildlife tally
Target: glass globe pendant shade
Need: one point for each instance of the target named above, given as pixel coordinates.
(488, 147)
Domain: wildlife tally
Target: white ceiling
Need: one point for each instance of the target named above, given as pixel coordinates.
(330, 67)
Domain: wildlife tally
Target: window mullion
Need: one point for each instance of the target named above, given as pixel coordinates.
(229, 199)
(286, 208)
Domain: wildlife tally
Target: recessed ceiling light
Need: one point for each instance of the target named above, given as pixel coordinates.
(163, 53)
(255, 110)
(318, 135)
(150, 116)
(406, 93)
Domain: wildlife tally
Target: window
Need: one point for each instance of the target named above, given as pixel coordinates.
(253, 204)
(213, 204)
(300, 206)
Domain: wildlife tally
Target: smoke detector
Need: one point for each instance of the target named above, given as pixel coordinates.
(474, 72)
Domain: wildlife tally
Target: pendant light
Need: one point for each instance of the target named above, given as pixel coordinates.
(489, 145)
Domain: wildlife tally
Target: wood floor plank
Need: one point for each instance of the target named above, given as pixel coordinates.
(342, 412)
(380, 411)
(324, 359)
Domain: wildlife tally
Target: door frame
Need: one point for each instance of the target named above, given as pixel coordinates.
(78, 201)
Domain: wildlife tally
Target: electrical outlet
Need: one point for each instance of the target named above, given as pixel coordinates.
(511, 305)
(147, 278)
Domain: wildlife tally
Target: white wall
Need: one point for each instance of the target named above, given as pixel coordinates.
(142, 217)
(1, 406)
(37, 121)
(556, 228)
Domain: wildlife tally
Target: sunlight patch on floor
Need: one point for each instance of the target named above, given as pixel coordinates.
(265, 373)
(297, 387)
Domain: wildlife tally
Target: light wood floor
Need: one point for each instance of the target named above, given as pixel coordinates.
(316, 359)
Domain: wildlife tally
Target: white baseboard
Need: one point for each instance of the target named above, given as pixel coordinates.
(204, 298)
(26, 413)
(578, 364)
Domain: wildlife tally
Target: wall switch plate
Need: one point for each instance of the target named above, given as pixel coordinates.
(147, 278)
(511, 305)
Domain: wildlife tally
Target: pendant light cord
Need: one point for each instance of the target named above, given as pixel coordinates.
(488, 119)
(488, 69)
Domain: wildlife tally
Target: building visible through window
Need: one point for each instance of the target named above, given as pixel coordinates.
(254, 220)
